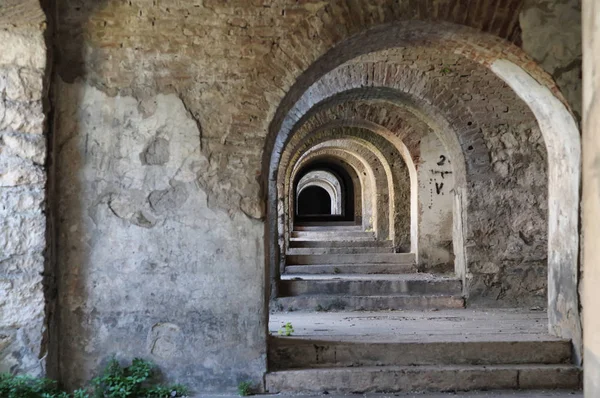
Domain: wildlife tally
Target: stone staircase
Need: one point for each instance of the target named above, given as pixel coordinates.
(345, 268)
(417, 351)
(341, 271)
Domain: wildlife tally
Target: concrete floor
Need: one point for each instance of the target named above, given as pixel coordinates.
(417, 326)
(500, 394)
(429, 326)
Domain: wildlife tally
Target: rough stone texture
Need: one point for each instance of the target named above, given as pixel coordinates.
(222, 69)
(591, 197)
(493, 136)
(23, 347)
(551, 34)
(382, 158)
(146, 268)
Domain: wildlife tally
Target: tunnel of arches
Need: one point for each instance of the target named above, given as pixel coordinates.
(454, 141)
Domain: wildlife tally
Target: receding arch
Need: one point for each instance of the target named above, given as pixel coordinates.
(401, 218)
(326, 180)
(489, 51)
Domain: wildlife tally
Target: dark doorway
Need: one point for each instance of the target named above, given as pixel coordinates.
(314, 200)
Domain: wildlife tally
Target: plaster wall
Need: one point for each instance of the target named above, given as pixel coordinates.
(158, 141)
(436, 193)
(146, 268)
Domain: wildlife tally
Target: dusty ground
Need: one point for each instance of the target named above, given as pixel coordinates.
(503, 394)
(420, 326)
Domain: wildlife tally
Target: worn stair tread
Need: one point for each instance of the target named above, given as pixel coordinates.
(301, 352)
(370, 277)
(332, 237)
(338, 250)
(342, 302)
(330, 259)
(338, 269)
(328, 228)
(368, 285)
(424, 378)
(314, 243)
(457, 325)
(394, 368)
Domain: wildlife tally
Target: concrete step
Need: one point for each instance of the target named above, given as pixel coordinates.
(293, 353)
(299, 242)
(375, 258)
(338, 250)
(368, 285)
(326, 222)
(328, 227)
(424, 378)
(334, 269)
(333, 235)
(367, 303)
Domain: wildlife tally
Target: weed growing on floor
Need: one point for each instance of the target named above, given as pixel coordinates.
(24, 386)
(134, 381)
(286, 330)
(245, 388)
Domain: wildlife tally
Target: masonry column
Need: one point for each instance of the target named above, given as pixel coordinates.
(591, 196)
(22, 187)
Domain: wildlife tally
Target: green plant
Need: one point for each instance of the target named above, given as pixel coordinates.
(24, 386)
(286, 330)
(81, 393)
(336, 270)
(245, 388)
(132, 381)
(446, 70)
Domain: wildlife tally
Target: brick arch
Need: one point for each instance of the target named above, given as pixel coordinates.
(389, 120)
(326, 180)
(355, 165)
(530, 83)
(427, 115)
(376, 165)
(355, 173)
(394, 163)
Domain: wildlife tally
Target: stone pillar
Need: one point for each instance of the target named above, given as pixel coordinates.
(591, 197)
(22, 187)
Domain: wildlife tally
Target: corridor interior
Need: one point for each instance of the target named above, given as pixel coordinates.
(410, 213)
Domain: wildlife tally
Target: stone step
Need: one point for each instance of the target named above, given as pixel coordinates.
(338, 250)
(293, 353)
(335, 269)
(367, 303)
(299, 242)
(333, 238)
(321, 223)
(424, 378)
(333, 235)
(375, 258)
(368, 285)
(328, 228)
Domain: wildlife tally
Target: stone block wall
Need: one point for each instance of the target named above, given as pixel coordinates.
(162, 110)
(22, 187)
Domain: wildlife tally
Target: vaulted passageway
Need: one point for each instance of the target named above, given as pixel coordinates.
(454, 163)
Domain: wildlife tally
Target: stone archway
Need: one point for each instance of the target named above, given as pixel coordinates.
(509, 64)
